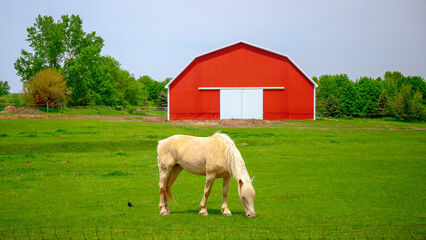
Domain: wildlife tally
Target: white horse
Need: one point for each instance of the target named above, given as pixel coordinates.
(214, 157)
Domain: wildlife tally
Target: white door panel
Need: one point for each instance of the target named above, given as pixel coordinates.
(241, 103)
(252, 104)
(230, 104)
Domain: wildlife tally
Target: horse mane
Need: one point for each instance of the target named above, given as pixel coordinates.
(235, 161)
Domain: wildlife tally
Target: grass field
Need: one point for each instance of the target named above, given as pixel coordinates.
(72, 178)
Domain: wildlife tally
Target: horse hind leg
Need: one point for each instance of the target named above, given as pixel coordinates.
(176, 170)
(165, 171)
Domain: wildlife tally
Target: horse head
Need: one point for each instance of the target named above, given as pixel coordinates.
(246, 192)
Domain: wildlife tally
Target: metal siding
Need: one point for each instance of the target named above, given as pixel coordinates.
(241, 65)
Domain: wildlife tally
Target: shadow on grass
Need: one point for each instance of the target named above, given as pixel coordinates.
(210, 211)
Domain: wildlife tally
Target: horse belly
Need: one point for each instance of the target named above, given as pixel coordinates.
(193, 168)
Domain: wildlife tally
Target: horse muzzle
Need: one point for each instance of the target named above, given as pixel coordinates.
(251, 215)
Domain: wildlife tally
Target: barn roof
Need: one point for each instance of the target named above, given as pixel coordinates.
(249, 44)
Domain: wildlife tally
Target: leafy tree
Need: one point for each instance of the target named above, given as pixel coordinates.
(128, 90)
(368, 91)
(417, 84)
(90, 79)
(47, 87)
(341, 87)
(408, 106)
(155, 91)
(54, 45)
(390, 82)
(4, 88)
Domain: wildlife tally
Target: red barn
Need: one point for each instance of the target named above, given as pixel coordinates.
(241, 81)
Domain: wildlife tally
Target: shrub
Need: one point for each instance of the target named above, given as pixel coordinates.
(48, 87)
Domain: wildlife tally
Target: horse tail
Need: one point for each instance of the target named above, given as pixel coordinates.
(169, 193)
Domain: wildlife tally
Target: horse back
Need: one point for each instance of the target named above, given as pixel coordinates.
(196, 155)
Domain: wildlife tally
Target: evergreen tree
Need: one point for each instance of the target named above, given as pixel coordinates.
(382, 104)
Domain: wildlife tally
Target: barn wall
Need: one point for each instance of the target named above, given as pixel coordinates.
(241, 65)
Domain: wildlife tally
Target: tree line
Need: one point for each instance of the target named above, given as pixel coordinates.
(396, 95)
(65, 67)
(74, 71)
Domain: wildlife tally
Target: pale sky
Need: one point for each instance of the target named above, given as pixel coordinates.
(159, 38)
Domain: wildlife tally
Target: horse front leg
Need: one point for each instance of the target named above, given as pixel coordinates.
(224, 208)
(207, 189)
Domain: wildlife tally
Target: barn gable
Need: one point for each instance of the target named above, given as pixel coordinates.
(217, 80)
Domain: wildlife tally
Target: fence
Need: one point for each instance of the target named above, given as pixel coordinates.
(151, 111)
(414, 231)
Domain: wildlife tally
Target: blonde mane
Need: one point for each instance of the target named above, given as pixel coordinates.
(236, 164)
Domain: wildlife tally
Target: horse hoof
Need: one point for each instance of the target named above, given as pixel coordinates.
(164, 212)
(204, 212)
(227, 214)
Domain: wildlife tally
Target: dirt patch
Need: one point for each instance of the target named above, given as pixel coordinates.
(21, 110)
(227, 122)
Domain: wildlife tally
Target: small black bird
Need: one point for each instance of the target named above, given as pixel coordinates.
(129, 204)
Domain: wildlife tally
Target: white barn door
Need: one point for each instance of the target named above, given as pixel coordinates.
(241, 103)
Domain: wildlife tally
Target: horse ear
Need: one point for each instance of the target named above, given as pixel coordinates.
(252, 180)
(240, 182)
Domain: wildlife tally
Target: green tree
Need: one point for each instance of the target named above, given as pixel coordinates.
(368, 91)
(407, 105)
(390, 80)
(128, 90)
(417, 84)
(383, 105)
(47, 87)
(341, 87)
(4, 88)
(54, 45)
(162, 99)
(90, 79)
(330, 107)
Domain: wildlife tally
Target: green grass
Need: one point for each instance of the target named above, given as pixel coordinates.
(314, 179)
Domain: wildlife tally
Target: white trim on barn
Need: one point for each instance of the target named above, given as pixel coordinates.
(168, 104)
(253, 45)
(315, 104)
(240, 88)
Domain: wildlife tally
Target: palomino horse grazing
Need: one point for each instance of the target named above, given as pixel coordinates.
(214, 157)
